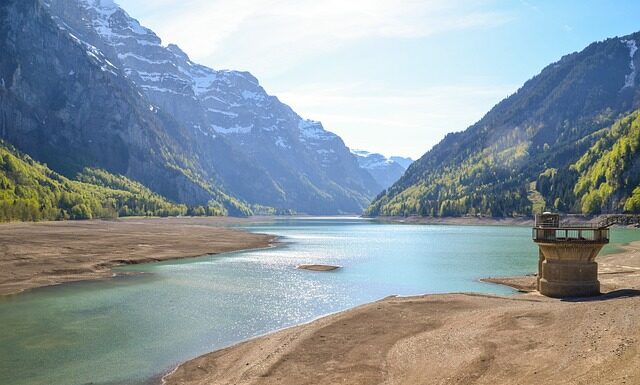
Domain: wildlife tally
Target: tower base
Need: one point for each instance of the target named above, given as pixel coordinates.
(569, 289)
(565, 278)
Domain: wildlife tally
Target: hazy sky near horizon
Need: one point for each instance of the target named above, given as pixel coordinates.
(390, 76)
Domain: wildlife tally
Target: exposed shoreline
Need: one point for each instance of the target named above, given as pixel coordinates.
(451, 339)
(470, 221)
(570, 219)
(48, 253)
(446, 338)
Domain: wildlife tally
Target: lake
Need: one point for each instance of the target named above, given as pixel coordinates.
(132, 329)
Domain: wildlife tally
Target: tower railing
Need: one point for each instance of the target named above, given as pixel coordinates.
(571, 234)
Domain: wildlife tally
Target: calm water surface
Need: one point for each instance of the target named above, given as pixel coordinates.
(130, 330)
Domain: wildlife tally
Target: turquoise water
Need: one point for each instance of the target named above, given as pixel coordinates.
(130, 330)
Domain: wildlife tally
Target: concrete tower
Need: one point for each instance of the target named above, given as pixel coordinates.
(566, 266)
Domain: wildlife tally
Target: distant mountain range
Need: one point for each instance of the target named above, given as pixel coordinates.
(384, 170)
(567, 140)
(84, 85)
(98, 118)
(405, 162)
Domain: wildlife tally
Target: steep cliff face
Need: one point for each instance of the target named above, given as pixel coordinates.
(63, 102)
(259, 148)
(492, 167)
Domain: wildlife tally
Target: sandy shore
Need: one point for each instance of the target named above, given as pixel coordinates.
(47, 253)
(451, 339)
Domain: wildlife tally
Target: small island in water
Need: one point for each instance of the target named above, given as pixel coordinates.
(317, 267)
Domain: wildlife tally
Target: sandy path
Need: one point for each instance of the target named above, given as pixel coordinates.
(450, 339)
(40, 254)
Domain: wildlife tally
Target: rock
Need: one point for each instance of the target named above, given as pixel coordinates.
(318, 267)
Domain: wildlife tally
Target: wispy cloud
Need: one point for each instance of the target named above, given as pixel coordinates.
(272, 37)
(267, 36)
(394, 123)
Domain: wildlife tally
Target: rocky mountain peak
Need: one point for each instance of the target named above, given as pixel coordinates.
(259, 148)
(384, 170)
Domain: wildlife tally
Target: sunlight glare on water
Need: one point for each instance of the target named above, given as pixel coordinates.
(131, 329)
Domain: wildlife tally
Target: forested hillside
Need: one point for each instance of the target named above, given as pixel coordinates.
(546, 145)
(30, 191)
(605, 179)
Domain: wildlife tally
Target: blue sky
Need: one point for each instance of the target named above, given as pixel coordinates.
(390, 76)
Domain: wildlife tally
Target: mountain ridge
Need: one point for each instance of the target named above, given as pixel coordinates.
(254, 146)
(64, 104)
(548, 123)
(384, 170)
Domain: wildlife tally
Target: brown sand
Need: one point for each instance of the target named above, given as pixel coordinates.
(41, 254)
(451, 339)
(317, 267)
(525, 284)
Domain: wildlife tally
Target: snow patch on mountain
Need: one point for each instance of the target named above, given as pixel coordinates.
(384, 170)
(402, 161)
(252, 95)
(157, 89)
(312, 130)
(232, 130)
(201, 78)
(96, 55)
(371, 160)
(227, 113)
(142, 58)
(103, 23)
(281, 142)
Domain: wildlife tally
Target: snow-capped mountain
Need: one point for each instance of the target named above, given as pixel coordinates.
(66, 104)
(402, 161)
(257, 148)
(386, 171)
